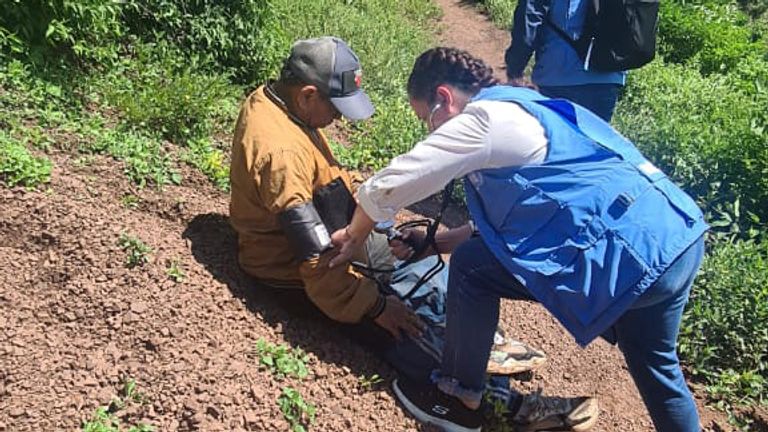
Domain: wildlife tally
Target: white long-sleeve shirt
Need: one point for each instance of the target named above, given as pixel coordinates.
(487, 134)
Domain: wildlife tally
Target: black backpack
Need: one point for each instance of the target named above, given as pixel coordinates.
(618, 34)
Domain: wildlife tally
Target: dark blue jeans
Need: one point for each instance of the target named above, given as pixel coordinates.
(646, 334)
(598, 98)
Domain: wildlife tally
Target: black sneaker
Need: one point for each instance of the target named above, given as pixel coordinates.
(430, 405)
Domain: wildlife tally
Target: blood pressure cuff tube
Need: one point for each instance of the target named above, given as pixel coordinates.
(306, 233)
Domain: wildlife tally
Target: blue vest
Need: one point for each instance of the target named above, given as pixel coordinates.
(592, 227)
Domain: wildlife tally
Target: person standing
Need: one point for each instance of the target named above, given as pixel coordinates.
(567, 213)
(558, 71)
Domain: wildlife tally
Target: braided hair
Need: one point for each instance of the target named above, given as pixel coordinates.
(453, 66)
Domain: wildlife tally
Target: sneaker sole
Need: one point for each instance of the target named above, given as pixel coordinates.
(427, 418)
(588, 410)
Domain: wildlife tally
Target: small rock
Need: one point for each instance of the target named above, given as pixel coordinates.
(138, 307)
(213, 412)
(250, 418)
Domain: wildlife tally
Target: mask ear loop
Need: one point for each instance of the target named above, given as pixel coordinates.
(434, 109)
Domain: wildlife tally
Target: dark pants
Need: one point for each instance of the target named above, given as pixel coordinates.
(598, 98)
(646, 334)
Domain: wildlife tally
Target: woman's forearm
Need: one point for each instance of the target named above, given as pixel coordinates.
(447, 241)
(360, 226)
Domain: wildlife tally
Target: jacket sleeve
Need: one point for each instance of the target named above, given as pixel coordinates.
(340, 292)
(283, 180)
(529, 17)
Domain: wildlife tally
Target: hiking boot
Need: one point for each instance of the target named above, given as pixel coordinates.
(540, 413)
(430, 405)
(509, 357)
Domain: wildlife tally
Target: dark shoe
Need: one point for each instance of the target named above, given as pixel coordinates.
(547, 413)
(430, 405)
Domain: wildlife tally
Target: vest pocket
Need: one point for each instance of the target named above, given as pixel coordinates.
(585, 238)
(525, 214)
(589, 281)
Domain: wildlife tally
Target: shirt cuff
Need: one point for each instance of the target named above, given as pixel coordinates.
(378, 214)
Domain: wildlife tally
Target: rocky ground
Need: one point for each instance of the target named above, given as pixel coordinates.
(77, 324)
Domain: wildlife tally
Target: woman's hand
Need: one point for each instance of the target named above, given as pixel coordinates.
(346, 244)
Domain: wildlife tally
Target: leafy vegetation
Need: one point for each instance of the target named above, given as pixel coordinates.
(282, 360)
(105, 418)
(367, 383)
(299, 413)
(137, 252)
(175, 271)
(19, 167)
(242, 38)
(725, 331)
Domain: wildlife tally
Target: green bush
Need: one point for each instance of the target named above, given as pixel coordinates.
(724, 334)
(19, 167)
(86, 29)
(713, 37)
(500, 11)
(242, 38)
(157, 91)
(146, 162)
(701, 131)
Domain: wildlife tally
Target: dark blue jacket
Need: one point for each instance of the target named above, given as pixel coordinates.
(557, 63)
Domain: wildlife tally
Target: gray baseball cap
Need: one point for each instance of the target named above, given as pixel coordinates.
(328, 63)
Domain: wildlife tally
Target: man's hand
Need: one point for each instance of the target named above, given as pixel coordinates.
(405, 246)
(397, 317)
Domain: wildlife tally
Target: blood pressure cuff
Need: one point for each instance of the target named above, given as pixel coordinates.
(334, 204)
(306, 233)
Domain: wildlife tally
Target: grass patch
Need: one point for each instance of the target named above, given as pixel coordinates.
(725, 327)
(500, 11)
(19, 167)
(209, 160)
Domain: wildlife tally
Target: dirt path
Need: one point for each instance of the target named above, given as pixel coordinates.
(463, 27)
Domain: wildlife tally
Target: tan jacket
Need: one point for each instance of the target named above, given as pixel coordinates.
(276, 165)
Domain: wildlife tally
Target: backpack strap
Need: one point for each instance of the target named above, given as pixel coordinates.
(583, 44)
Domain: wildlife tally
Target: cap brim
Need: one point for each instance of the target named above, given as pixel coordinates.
(356, 106)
